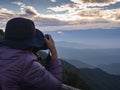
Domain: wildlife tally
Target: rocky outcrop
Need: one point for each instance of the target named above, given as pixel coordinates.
(67, 87)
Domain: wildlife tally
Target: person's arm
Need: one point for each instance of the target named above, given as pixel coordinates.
(36, 75)
(53, 65)
(51, 45)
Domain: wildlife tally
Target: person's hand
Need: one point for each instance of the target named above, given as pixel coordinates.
(51, 45)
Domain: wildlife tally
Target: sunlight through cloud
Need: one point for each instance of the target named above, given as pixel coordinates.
(76, 14)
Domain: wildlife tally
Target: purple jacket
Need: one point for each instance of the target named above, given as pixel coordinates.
(19, 70)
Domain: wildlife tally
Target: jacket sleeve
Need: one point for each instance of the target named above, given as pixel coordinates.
(36, 75)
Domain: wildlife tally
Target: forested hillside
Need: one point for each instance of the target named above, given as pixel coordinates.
(89, 79)
(71, 76)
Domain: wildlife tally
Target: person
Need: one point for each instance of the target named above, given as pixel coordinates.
(19, 67)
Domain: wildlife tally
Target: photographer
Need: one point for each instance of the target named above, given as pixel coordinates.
(19, 66)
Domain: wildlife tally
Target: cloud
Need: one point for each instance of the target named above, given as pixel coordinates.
(26, 10)
(65, 17)
(5, 11)
(72, 13)
(18, 3)
(41, 21)
(60, 32)
(84, 19)
(5, 14)
(63, 8)
(84, 11)
(31, 13)
(95, 2)
(88, 26)
(29, 10)
(53, 0)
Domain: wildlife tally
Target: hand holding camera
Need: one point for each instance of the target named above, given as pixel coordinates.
(51, 45)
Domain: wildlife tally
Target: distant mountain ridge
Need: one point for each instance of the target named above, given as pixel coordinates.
(88, 33)
(93, 79)
(100, 80)
(75, 45)
(79, 64)
(90, 56)
(72, 77)
(113, 68)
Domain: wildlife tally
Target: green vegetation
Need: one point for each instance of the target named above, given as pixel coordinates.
(71, 76)
(89, 79)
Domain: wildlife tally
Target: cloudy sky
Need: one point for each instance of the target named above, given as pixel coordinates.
(63, 14)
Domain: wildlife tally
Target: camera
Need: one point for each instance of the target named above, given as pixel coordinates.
(44, 47)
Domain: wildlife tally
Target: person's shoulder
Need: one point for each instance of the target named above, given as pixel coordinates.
(10, 52)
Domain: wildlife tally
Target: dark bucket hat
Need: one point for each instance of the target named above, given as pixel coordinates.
(20, 33)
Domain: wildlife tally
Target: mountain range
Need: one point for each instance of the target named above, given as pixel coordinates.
(90, 56)
(113, 68)
(100, 80)
(79, 64)
(90, 79)
(75, 45)
(106, 59)
(100, 38)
